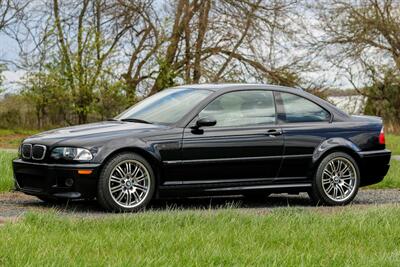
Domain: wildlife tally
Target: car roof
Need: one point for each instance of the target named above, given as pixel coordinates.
(244, 86)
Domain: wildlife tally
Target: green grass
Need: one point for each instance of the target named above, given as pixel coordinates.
(393, 143)
(12, 138)
(227, 237)
(6, 181)
(392, 179)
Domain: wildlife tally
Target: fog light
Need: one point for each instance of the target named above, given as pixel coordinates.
(69, 182)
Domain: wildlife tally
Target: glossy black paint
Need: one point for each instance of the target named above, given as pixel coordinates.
(192, 160)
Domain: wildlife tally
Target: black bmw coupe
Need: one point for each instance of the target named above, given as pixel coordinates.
(208, 139)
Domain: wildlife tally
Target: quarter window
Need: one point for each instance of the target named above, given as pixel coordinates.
(299, 109)
(242, 108)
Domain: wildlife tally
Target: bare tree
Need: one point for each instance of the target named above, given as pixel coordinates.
(363, 38)
(213, 41)
(10, 12)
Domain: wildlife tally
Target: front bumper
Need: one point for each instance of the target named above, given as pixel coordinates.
(374, 165)
(43, 179)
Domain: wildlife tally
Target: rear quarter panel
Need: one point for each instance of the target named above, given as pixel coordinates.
(306, 144)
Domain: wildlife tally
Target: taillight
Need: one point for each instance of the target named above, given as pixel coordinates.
(382, 137)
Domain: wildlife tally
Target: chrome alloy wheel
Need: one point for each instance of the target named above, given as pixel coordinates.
(129, 183)
(339, 179)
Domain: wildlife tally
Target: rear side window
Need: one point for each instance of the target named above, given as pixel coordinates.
(242, 108)
(299, 109)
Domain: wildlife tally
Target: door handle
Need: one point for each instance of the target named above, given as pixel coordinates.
(274, 132)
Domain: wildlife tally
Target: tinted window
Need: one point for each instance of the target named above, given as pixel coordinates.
(299, 109)
(242, 108)
(166, 107)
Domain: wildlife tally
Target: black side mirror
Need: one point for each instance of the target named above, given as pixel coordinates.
(208, 121)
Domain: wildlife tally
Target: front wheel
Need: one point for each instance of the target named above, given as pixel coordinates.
(336, 180)
(126, 183)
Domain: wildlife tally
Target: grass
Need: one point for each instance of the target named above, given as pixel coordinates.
(281, 237)
(393, 143)
(12, 138)
(6, 181)
(392, 179)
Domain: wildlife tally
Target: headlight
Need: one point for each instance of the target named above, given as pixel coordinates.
(71, 153)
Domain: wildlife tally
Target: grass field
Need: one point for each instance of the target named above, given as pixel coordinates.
(12, 138)
(393, 143)
(6, 182)
(350, 236)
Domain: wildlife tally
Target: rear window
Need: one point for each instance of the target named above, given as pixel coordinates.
(300, 109)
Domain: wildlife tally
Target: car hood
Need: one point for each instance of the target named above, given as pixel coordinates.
(92, 133)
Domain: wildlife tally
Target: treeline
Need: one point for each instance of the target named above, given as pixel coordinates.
(88, 60)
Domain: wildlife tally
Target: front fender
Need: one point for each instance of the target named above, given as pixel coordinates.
(126, 144)
(334, 143)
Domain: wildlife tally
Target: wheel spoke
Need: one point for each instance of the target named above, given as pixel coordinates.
(115, 179)
(116, 188)
(341, 191)
(120, 171)
(141, 187)
(129, 192)
(347, 186)
(338, 178)
(326, 181)
(328, 173)
(120, 196)
(136, 171)
(128, 168)
(136, 195)
(339, 167)
(335, 192)
(140, 178)
(128, 198)
(329, 189)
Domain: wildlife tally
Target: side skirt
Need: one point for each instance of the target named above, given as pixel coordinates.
(207, 190)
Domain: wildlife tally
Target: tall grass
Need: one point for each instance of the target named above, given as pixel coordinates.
(393, 143)
(282, 237)
(6, 174)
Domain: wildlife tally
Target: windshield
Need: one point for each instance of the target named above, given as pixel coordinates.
(166, 107)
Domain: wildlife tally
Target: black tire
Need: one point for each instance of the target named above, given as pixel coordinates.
(318, 192)
(104, 196)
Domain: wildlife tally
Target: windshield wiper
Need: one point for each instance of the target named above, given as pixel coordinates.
(136, 120)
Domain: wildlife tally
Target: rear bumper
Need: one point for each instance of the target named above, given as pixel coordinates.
(374, 165)
(42, 179)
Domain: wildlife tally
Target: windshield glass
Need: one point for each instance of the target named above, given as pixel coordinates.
(166, 107)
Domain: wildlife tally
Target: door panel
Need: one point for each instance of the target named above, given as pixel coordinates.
(244, 145)
(226, 153)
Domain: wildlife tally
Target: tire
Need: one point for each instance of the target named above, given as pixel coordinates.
(337, 175)
(126, 183)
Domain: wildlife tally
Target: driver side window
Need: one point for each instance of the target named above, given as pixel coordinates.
(241, 108)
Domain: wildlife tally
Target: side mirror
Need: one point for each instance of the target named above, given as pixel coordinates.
(208, 121)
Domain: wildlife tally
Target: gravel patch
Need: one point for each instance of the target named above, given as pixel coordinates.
(14, 205)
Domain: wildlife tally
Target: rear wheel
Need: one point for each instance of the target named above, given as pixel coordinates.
(336, 180)
(126, 183)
